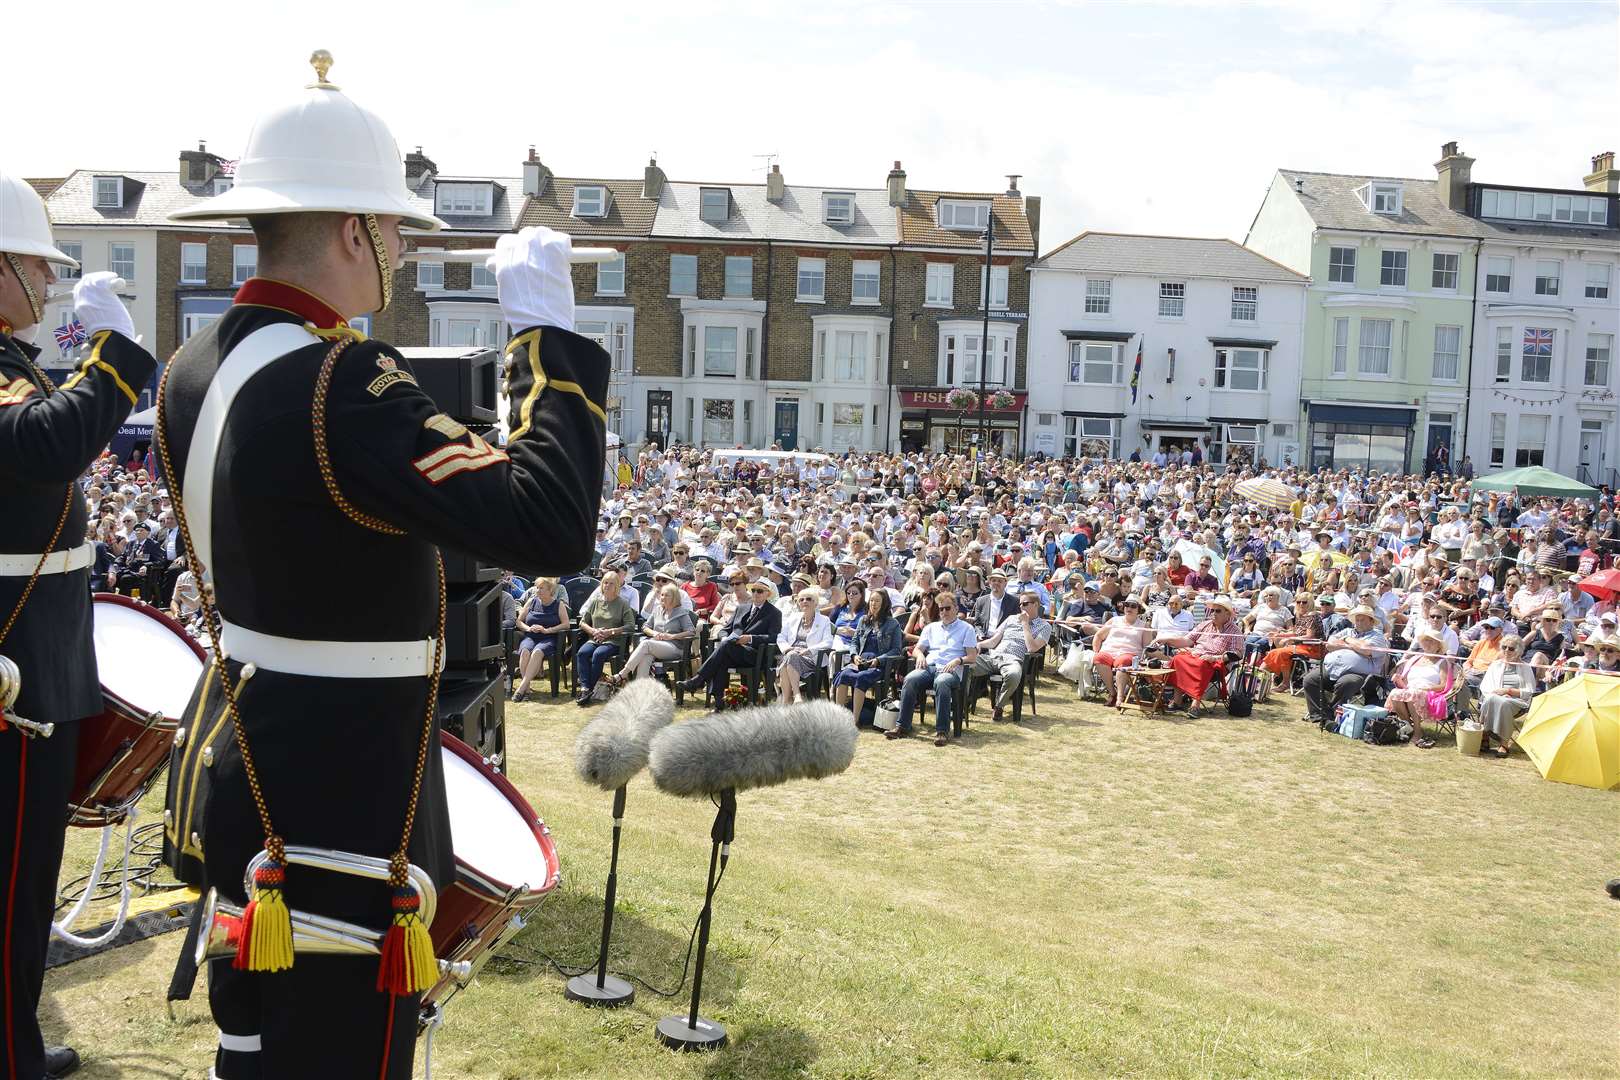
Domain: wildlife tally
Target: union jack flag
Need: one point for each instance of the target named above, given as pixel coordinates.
(1537, 342)
(70, 335)
(228, 168)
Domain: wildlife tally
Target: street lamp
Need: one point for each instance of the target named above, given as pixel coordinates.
(984, 339)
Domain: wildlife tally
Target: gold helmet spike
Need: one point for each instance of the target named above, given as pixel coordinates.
(321, 61)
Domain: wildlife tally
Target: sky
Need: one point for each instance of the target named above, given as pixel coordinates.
(1165, 118)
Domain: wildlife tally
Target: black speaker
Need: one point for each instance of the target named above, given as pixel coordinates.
(462, 380)
(461, 568)
(472, 625)
(474, 711)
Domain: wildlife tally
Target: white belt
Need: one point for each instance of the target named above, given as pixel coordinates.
(57, 562)
(329, 659)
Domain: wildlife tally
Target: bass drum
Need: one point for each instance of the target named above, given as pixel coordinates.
(148, 666)
(506, 865)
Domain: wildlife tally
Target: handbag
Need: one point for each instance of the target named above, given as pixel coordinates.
(1074, 663)
(887, 715)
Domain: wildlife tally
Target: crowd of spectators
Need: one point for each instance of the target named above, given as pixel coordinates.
(900, 575)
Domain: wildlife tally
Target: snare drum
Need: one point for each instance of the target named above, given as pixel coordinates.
(506, 864)
(148, 668)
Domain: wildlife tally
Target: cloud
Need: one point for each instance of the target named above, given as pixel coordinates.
(1164, 117)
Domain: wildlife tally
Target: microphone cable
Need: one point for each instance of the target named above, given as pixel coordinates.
(569, 972)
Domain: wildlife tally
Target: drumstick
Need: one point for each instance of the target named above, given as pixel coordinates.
(477, 255)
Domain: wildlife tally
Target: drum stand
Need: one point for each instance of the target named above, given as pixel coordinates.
(692, 1032)
(60, 931)
(603, 990)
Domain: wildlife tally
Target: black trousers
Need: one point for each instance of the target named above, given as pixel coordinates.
(716, 670)
(35, 775)
(322, 1020)
(1323, 695)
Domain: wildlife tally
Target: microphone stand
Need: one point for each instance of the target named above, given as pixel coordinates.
(604, 990)
(692, 1032)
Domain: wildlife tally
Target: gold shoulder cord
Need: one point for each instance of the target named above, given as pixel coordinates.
(407, 963)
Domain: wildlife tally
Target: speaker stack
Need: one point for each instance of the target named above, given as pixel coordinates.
(462, 381)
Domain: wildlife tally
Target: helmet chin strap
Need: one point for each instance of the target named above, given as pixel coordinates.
(33, 298)
(385, 266)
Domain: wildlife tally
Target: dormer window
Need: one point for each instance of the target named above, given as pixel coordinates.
(462, 198)
(838, 208)
(1381, 197)
(222, 184)
(963, 215)
(714, 205)
(590, 202)
(109, 192)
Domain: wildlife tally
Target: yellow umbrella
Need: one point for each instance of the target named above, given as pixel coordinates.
(1312, 560)
(1572, 732)
(1268, 492)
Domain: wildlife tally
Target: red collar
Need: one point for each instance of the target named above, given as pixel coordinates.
(268, 292)
(5, 328)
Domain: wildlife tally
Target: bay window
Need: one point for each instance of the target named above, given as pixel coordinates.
(1536, 355)
(848, 426)
(1096, 363)
(1375, 347)
(1241, 369)
(720, 352)
(1090, 436)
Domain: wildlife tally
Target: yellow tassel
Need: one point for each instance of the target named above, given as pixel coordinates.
(267, 943)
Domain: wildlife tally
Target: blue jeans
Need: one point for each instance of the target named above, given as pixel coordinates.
(917, 683)
(589, 661)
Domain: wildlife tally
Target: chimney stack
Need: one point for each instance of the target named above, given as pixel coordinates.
(1032, 213)
(1455, 170)
(775, 186)
(535, 174)
(1012, 185)
(418, 168)
(897, 186)
(1604, 176)
(198, 166)
(652, 180)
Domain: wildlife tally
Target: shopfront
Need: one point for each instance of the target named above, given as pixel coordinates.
(929, 422)
(1372, 438)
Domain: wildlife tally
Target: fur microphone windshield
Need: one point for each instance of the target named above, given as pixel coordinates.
(751, 748)
(613, 747)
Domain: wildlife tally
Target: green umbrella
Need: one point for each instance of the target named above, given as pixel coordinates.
(1535, 480)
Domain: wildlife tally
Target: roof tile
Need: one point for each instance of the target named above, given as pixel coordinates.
(1179, 256)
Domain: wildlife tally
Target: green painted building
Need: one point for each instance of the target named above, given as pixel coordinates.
(1388, 312)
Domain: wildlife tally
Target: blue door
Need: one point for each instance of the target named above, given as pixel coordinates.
(787, 425)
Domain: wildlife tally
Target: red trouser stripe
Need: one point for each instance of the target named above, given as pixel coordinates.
(388, 1038)
(11, 897)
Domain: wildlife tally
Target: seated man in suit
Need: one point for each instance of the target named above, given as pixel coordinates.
(754, 625)
(140, 566)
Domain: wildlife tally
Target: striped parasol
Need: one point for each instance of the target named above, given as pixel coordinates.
(1270, 493)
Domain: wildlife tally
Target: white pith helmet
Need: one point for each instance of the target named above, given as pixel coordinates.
(320, 152)
(25, 227)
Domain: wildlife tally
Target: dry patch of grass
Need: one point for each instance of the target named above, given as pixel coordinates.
(1087, 894)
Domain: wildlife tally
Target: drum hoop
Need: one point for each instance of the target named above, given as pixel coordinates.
(542, 835)
(124, 709)
(155, 614)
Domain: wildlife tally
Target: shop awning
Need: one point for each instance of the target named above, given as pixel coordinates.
(1339, 413)
(1175, 425)
(934, 401)
(1100, 335)
(1241, 343)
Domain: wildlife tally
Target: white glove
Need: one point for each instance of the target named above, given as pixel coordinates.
(96, 304)
(534, 279)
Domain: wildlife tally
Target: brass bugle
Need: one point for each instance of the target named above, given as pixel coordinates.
(475, 255)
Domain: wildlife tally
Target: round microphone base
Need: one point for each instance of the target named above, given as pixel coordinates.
(610, 995)
(675, 1034)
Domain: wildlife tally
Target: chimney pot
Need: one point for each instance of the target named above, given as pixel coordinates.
(897, 185)
(1455, 171)
(1299, 184)
(1604, 176)
(1012, 184)
(652, 179)
(535, 174)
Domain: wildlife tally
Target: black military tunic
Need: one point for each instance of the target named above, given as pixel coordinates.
(336, 755)
(47, 439)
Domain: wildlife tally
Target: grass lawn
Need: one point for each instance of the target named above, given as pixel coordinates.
(1086, 894)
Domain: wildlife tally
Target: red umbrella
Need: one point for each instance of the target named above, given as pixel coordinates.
(1604, 584)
